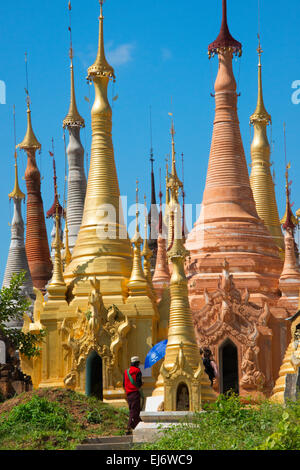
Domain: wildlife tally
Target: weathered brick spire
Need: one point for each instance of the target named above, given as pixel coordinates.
(229, 226)
(36, 245)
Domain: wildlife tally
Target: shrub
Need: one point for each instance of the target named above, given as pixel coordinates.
(40, 413)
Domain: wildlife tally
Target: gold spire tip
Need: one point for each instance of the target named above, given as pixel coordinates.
(101, 67)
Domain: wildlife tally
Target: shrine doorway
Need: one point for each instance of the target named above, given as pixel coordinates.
(229, 367)
(93, 376)
(182, 398)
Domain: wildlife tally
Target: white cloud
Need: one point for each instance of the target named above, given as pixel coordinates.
(120, 55)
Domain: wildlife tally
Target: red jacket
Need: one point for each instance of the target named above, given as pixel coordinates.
(136, 374)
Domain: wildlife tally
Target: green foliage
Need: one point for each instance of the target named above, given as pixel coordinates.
(41, 413)
(286, 435)
(58, 419)
(94, 416)
(229, 424)
(13, 305)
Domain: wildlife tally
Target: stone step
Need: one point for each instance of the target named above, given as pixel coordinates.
(108, 439)
(105, 446)
(107, 443)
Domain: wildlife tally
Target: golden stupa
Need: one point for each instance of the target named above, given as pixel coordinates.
(261, 181)
(101, 310)
(182, 380)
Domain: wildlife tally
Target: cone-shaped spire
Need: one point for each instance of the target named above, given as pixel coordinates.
(73, 118)
(52, 211)
(16, 192)
(75, 153)
(147, 253)
(37, 248)
(291, 266)
(57, 287)
(17, 259)
(181, 333)
(153, 217)
(173, 186)
(161, 275)
(137, 283)
(30, 141)
(101, 67)
(228, 221)
(102, 245)
(225, 40)
(289, 221)
(260, 113)
(262, 184)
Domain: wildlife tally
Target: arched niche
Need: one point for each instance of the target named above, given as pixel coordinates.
(229, 367)
(182, 397)
(94, 376)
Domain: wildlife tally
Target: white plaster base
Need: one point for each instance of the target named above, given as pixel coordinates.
(154, 423)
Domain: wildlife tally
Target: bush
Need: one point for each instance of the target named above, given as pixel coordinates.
(40, 413)
(286, 435)
(230, 424)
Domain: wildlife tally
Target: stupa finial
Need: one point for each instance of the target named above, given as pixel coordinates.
(16, 192)
(288, 221)
(73, 118)
(30, 141)
(224, 41)
(260, 114)
(101, 67)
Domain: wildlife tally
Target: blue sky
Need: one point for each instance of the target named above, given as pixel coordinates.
(159, 50)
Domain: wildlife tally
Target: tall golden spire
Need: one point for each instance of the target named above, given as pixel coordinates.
(73, 117)
(261, 181)
(102, 244)
(16, 192)
(101, 67)
(260, 114)
(137, 283)
(182, 350)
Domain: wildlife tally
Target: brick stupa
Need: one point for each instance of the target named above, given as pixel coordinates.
(235, 266)
(229, 226)
(37, 248)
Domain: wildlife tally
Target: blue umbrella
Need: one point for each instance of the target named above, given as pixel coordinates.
(155, 354)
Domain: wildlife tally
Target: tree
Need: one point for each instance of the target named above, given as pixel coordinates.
(13, 305)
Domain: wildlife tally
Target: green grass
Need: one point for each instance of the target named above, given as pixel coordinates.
(229, 424)
(58, 420)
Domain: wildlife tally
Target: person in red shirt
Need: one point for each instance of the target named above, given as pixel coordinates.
(132, 384)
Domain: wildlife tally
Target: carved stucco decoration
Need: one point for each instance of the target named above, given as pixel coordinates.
(102, 330)
(228, 313)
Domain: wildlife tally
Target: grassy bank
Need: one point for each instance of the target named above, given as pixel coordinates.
(229, 424)
(56, 419)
